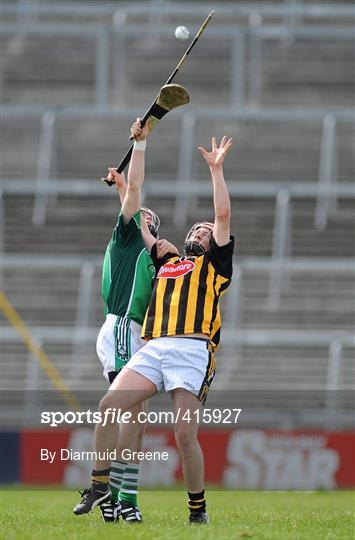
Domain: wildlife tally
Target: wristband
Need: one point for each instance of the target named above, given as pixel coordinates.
(140, 145)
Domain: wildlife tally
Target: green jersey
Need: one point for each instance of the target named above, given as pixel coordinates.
(128, 272)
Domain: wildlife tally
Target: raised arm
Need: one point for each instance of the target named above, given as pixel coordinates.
(222, 210)
(132, 201)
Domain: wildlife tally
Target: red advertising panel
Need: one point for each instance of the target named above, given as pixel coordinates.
(236, 459)
(34, 468)
(258, 459)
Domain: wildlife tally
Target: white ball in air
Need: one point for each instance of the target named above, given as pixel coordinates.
(181, 32)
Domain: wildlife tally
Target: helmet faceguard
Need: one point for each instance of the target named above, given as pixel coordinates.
(154, 224)
(193, 246)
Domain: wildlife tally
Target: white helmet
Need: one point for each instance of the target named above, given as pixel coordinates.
(154, 225)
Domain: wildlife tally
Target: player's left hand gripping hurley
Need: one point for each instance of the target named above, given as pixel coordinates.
(170, 97)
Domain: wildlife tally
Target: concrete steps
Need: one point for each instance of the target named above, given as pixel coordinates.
(308, 71)
(283, 151)
(297, 71)
(84, 225)
(323, 301)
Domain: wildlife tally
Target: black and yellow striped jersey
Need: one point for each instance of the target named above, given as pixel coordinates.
(186, 294)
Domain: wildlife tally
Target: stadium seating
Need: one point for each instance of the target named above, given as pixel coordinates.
(92, 219)
(49, 298)
(84, 146)
(304, 60)
(277, 132)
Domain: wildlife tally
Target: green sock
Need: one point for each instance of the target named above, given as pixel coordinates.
(129, 486)
(116, 475)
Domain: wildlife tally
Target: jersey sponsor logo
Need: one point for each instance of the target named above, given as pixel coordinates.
(176, 270)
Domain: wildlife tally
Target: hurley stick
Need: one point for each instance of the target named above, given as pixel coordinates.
(152, 108)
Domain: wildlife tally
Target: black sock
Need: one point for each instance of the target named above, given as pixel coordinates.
(100, 479)
(197, 501)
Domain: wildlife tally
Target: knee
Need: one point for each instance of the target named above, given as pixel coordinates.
(184, 438)
(140, 421)
(105, 403)
(140, 434)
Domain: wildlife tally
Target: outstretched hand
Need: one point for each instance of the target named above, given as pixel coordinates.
(216, 156)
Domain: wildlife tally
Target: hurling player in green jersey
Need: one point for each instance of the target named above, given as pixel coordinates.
(127, 281)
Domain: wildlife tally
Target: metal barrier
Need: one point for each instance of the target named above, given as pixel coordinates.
(255, 61)
(281, 247)
(33, 377)
(234, 305)
(234, 338)
(327, 189)
(238, 70)
(2, 221)
(333, 403)
(82, 319)
(119, 61)
(102, 67)
(236, 34)
(45, 162)
(286, 10)
(183, 181)
(24, 16)
(328, 171)
(234, 301)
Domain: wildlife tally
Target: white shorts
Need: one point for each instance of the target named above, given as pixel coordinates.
(118, 339)
(171, 362)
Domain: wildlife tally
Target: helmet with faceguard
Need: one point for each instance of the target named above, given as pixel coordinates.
(195, 241)
(154, 222)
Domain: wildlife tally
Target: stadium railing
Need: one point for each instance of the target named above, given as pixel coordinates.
(233, 338)
(325, 190)
(87, 266)
(238, 36)
(285, 9)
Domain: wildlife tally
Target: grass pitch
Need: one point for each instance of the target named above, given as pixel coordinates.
(47, 515)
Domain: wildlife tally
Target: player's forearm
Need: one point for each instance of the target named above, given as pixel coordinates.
(136, 169)
(221, 197)
(132, 200)
(122, 193)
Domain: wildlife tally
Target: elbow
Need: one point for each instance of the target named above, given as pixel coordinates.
(223, 215)
(133, 186)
